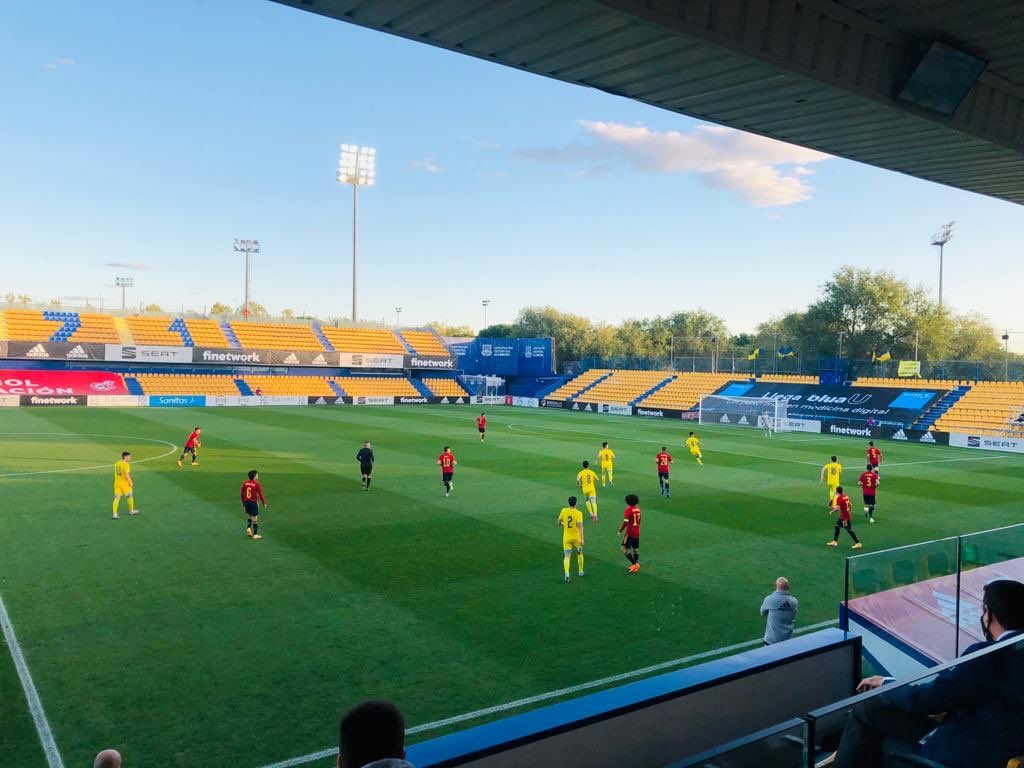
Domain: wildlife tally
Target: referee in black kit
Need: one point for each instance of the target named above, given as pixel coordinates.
(365, 459)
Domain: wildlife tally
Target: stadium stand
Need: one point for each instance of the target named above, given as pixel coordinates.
(316, 386)
(206, 333)
(3, 327)
(625, 386)
(989, 408)
(94, 329)
(377, 386)
(154, 330)
(574, 385)
(425, 343)
(277, 336)
(685, 390)
(445, 387)
(29, 325)
(908, 383)
(373, 340)
(787, 378)
(187, 384)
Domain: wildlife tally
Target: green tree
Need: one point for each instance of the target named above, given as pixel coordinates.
(498, 331)
(287, 313)
(443, 329)
(255, 310)
(219, 308)
(10, 297)
(572, 333)
(154, 308)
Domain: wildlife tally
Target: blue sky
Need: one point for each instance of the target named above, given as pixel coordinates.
(152, 134)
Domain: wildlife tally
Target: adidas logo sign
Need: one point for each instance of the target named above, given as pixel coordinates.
(575, 406)
(901, 435)
(927, 438)
(460, 401)
(37, 351)
(445, 400)
(319, 360)
(588, 408)
(291, 360)
(77, 353)
(724, 420)
(320, 401)
(743, 420)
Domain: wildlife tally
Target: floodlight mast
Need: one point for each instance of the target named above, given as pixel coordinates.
(248, 247)
(124, 283)
(941, 238)
(356, 166)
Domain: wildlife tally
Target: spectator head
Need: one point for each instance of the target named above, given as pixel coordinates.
(371, 731)
(1002, 607)
(108, 758)
(782, 583)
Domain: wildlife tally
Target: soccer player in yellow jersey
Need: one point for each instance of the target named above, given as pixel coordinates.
(830, 475)
(587, 481)
(123, 484)
(570, 520)
(694, 445)
(607, 458)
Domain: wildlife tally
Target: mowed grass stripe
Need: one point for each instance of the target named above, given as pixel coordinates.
(446, 605)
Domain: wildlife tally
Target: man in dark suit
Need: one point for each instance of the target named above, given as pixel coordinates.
(982, 700)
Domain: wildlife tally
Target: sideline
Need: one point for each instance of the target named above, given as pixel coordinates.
(323, 754)
(35, 706)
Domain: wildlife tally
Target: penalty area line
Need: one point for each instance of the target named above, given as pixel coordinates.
(35, 706)
(173, 450)
(323, 754)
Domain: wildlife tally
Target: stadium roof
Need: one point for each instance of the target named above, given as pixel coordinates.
(854, 78)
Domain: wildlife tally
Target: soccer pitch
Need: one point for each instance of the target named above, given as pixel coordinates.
(180, 641)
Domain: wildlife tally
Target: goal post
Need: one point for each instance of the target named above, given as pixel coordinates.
(766, 413)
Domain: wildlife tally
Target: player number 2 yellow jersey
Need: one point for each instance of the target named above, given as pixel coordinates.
(571, 520)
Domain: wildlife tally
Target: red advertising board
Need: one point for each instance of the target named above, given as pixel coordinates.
(15, 382)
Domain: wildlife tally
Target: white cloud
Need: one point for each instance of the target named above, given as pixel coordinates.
(60, 61)
(427, 165)
(763, 171)
(127, 265)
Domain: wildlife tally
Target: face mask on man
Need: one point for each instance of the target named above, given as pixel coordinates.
(985, 627)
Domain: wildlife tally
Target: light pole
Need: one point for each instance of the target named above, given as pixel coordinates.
(248, 247)
(840, 345)
(775, 354)
(941, 238)
(356, 166)
(124, 283)
(485, 303)
(398, 316)
(1006, 353)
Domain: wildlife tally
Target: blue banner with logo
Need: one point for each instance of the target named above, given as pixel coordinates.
(505, 357)
(874, 406)
(177, 401)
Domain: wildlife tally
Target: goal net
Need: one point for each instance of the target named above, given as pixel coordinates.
(764, 413)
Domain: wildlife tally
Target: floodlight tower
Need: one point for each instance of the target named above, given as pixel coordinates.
(941, 238)
(356, 166)
(398, 316)
(124, 283)
(485, 303)
(248, 247)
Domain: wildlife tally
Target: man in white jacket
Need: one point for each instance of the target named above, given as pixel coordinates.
(372, 735)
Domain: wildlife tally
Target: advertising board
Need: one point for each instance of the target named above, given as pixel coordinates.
(41, 382)
(133, 353)
(176, 401)
(986, 442)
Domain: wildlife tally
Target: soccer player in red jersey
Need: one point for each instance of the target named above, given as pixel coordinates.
(481, 425)
(192, 445)
(874, 457)
(252, 495)
(844, 506)
(663, 460)
(868, 482)
(630, 529)
(447, 463)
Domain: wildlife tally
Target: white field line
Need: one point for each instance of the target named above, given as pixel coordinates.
(35, 706)
(521, 428)
(323, 754)
(84, 469)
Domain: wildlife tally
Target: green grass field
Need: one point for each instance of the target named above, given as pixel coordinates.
(174, 637)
